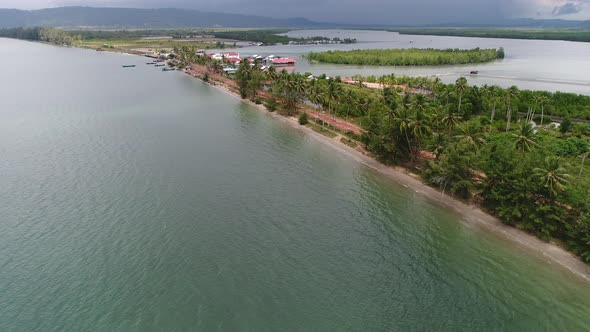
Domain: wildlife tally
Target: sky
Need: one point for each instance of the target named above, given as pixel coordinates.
(354, 11)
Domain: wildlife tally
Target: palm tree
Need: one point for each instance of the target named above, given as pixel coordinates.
(542, 101)
(450, 120)
(460, 88)
(524, 140)
(511, 94)
(333, 92)
(554, 176)
(471, 136)
(351, 101)
(403, 121)
(271, 74)
(494, 101)
(419, 124)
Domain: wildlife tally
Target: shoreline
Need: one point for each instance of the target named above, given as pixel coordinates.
(549, 252)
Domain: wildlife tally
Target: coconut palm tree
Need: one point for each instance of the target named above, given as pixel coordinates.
(554, 176)
(420, 122)
(460, 88)
(271, 74)
(524, 139)
(471, 136)
(403, 121)
(450, 121)
(542, 101)
(510, 95)
(333, 92)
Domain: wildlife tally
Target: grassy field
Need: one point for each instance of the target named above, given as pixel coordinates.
(150, 44)
(544, 34)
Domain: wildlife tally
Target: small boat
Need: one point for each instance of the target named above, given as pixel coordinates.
(128, 66)
(168, 69)
(162, 65)
(474, 72)
(150, 63)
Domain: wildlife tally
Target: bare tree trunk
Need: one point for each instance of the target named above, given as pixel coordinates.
(509, 119)
(493, 113)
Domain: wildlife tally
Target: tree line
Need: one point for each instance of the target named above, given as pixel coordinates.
(581, 35)
(49, 35)
(407, 57)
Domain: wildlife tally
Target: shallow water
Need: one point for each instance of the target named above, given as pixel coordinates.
(137, 200)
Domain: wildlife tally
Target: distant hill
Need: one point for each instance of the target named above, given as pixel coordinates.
(129, 18)
(77, 17)
(519, 23)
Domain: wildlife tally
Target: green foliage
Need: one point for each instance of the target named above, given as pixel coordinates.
(271, 104)
(303, 119)
(49, 35)
(407, 57)
(566, 124)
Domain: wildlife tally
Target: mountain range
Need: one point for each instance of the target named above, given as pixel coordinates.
(134, 18)
(77, 17)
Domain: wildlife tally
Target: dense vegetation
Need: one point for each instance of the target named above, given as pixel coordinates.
(559, 104)
(554, 34)
(489, 145)
(407, 57)
(53, 36)
(272, 37)
(268, 37)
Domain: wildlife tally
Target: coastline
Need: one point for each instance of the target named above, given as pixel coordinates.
(552, 253)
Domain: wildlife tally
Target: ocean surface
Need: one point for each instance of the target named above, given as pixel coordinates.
(550, 65)
(141, 200)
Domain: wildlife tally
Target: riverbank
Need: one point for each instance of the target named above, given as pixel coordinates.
(472, 214)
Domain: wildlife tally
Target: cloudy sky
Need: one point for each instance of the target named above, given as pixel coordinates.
(354, 11)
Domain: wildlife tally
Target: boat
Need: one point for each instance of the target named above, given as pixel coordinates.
(168, 69)
(150, 63)
(474, 72)
(128, 66)
(162, 65)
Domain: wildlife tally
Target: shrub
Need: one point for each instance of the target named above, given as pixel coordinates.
(303, 119)
(271, 104)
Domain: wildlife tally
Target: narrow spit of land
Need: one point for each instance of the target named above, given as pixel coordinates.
(471, 213)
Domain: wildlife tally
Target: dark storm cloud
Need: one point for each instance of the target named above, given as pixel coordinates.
(568, 8)
(351, 11)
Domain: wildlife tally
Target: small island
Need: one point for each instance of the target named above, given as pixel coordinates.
(408, 57)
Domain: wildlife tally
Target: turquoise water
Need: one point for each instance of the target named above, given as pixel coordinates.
(138, 200)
